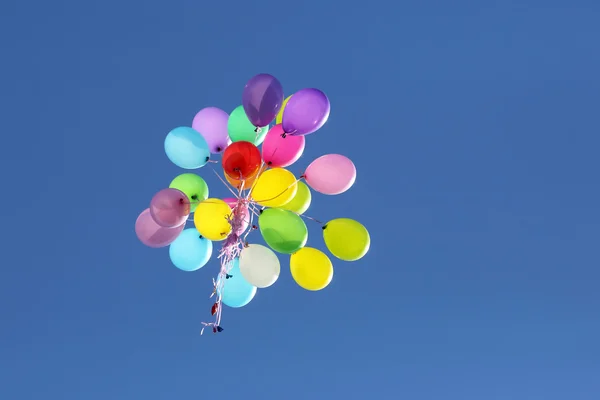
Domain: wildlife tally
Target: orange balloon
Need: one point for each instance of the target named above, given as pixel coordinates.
(236, 183)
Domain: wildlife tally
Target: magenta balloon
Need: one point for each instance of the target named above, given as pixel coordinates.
(262, 99)
(231, 202)
(152, 234)
(170, 207)
(280, 150)
(211, 122)
(331, 174)
(305, 112)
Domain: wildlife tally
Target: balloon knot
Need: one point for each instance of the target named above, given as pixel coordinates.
(324, 226)
(195, 197)
(257, 129)
(201, 237)
(207, 159)
(227, 276)
(219, 149)
(269, 162)
(303, 176)
(260, 211)
(254, 227)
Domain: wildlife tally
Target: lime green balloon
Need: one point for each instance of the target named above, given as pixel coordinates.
(283, 231)
(346, 239)
(193, 186)
(241, 129)
(301, 200)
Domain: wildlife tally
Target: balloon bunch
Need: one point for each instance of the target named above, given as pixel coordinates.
(261, 188)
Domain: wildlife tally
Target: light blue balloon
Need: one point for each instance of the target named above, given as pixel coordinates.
(186, 148)
(190, 251)
(237, 292)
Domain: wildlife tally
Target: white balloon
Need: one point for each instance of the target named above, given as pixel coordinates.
(259, 265)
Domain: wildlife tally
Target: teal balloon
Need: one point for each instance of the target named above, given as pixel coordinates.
(237, 292)
(186, 148)
(190, 251)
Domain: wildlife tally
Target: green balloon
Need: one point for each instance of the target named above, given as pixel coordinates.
(283, 230)
(193, 186)
(241, 129)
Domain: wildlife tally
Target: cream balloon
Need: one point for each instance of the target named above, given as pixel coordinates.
(259, 265)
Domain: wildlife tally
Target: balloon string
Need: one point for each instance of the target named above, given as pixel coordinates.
(311, 218)
(225, 183)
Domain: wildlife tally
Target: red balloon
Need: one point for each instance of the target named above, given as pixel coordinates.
(241, 160)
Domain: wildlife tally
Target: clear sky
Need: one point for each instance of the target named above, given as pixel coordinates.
(474, 128)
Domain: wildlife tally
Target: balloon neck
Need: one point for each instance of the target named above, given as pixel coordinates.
(258, 129)
(323, 227)
(195, 197)
(269, 162)
(284, 135)
(219, 149)
(303, 176)
(201, 237)
(207, 159)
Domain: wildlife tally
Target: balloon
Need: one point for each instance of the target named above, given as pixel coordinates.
(262, 99)
(241, 129)
(152, 234)
(279, 117)
(211, 122)
(274, 187)
(241, 160)
(311, 268)
(186, 148)
(280, 150)
(236, 183)
(259, 265)
(190, 251)
(237, 292)
(331, 174)
(232, 202)
(170, 207)
(211, 221)
(301, 201)
(346, 239)
(282, 230)
(305, 112)
(193, 186)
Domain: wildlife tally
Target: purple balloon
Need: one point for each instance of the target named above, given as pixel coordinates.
(152, 234)
(211, 122)
(262, 99)
(170, 208)
(305, 112)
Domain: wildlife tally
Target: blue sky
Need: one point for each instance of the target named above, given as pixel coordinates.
(474, 129)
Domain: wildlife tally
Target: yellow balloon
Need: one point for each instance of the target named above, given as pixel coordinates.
(279, 117)
(275, 187)
(311, 268)
(346, 239)
(210, 219)
(301, 201)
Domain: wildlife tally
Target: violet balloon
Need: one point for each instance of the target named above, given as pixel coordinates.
(280, 150)
(170, 208)
(331, 174)
(305, 112)
(211, 122)
(153, 235)
(262, 99)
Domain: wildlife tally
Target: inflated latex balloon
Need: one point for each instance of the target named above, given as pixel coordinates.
(282, 230)
(311, 268)
(170, 207)
(211, 122)
(280, 150)
(236, 183)
(331, 174)
(232, 202)
(262, 99)
(237, 292)
(190, 251)
(241, 129)
(259, 265)
(275, 187)
(346, 239)
(305, 112)
(279, 117)
(241, 160)
(193, 186)
(186, 148)
(153, 235)
(211, 221)
(301, 201)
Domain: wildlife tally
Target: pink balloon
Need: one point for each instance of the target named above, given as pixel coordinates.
(152, 234)
(279, 150)
(170, 207)
(331, 174)
(232, 202)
